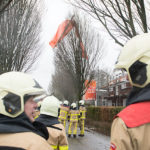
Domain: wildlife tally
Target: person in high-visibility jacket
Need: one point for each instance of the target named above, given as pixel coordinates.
(63, 114)
(73, 121)
(82, 110)
(49, 117)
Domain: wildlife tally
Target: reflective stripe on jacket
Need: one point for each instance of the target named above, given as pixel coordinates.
(24, 140)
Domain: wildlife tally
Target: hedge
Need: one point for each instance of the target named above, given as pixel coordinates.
(100, 118)
(104, 114)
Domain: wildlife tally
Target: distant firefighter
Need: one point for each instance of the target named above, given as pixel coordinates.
(82, 110)
(37, 111)
(73, 122)
(63, 114)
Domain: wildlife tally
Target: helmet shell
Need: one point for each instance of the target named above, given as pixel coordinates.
(81, 102)
(13, 87)
(135, 59)
(66, 102)
(50, 106)
(73, 105)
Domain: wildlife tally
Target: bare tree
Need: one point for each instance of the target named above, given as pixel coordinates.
(19, 31)
(122, 19)
(102, 78)
(4, 5)
(62, 85)
(69, 55)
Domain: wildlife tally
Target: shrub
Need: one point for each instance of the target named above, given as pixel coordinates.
(105, 114)
(100, 118)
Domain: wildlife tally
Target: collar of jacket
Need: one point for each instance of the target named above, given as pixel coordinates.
(47, 120)
(139, 95)
(71, 108)
(22, 124)
(136, 114)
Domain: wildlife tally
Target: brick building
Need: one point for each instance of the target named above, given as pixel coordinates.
(115, 91)
(118, 91)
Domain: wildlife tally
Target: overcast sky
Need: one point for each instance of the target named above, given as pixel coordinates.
(56, 13)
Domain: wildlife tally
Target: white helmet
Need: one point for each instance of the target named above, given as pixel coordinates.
(50, 106)
(60, 102)
(73, 105)
(15, 87)
(135, 59)
(66, 102)
(81, 102)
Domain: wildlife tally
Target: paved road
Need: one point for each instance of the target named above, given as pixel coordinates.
(91, 141)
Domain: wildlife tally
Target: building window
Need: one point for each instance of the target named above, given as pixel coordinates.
(110, 89)
(123, 86)
(117, 90)
(104, 102)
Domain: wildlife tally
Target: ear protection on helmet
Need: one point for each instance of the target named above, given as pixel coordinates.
(12, 103)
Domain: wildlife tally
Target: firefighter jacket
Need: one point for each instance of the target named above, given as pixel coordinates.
(82, 110)
(131, 127)
(57, 138)
(74, 115)
(20, 134)
(63, 112)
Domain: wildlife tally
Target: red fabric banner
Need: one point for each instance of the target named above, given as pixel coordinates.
(63, 29)
(91, 91)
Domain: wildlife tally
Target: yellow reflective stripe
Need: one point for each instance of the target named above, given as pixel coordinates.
(36, 116)
(83, 114)
(54, 147)
(82, 117)
(74, 115)
(75, 128)
(65, 147)
(69, 129)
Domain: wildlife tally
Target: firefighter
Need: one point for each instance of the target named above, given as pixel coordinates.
(63, 114)
(17, 129)
(37, 111)
(131, 127)
(73, 122)
(49, 117)
(82, 110)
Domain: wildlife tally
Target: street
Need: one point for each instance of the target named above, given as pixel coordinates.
(91, 141)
